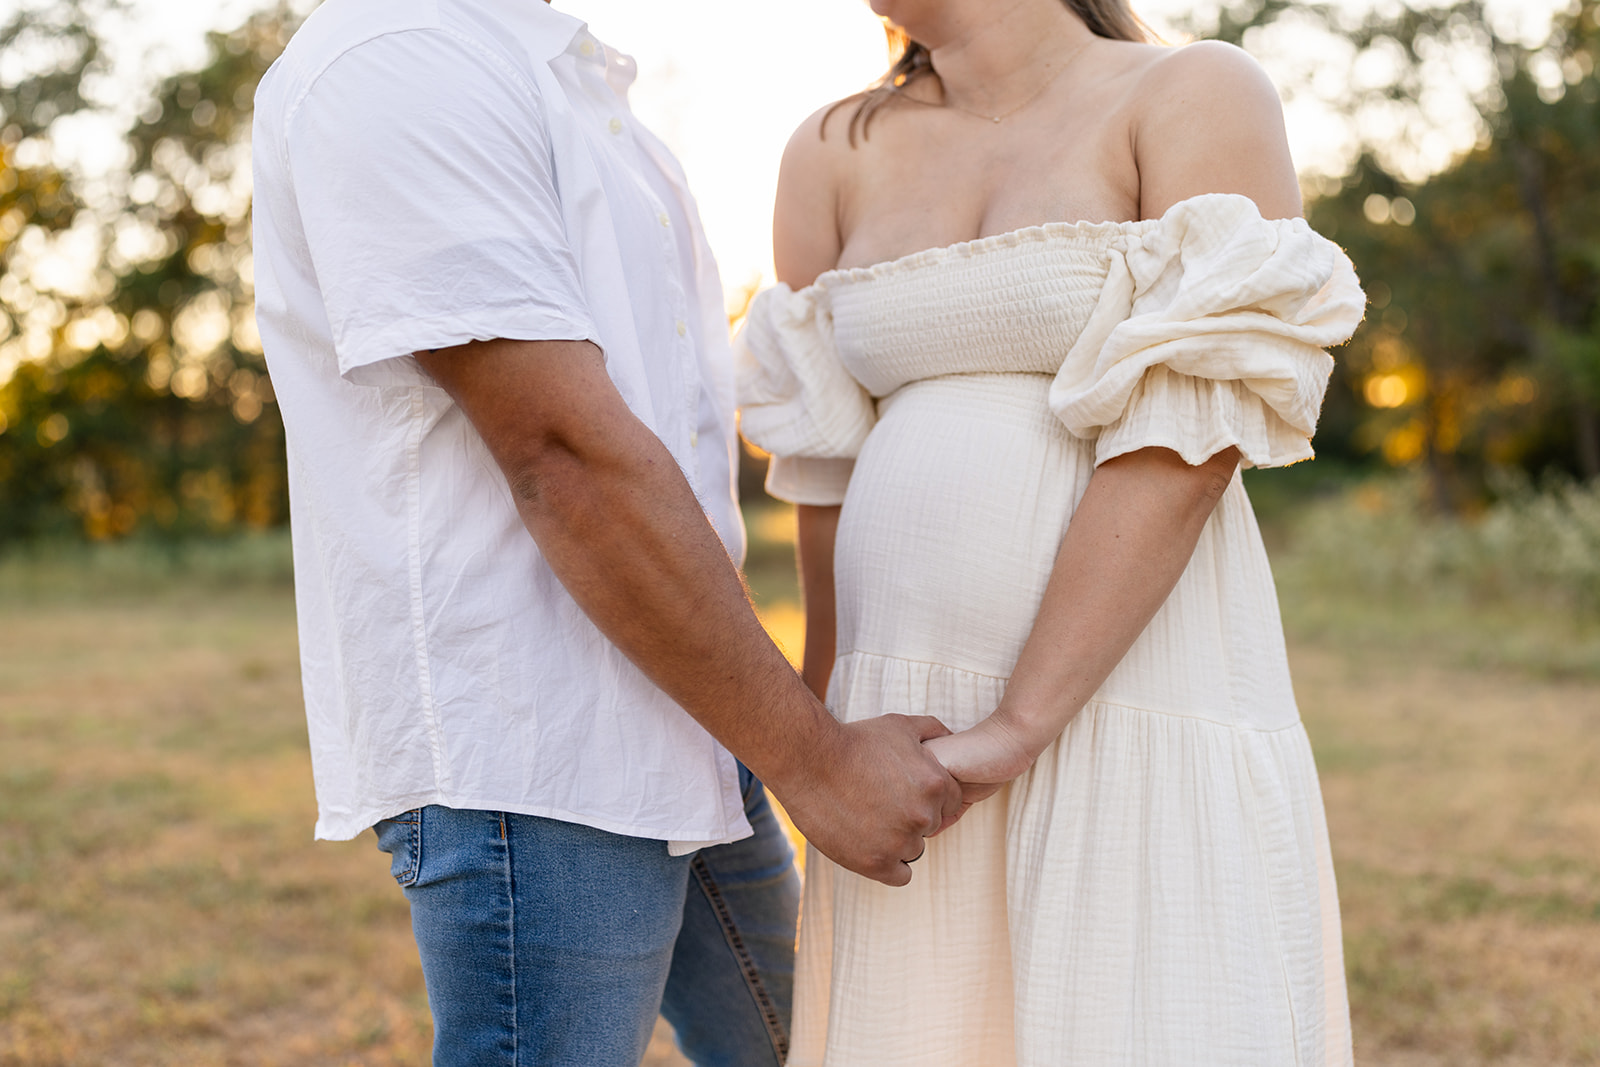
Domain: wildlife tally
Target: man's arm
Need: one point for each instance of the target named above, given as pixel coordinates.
(622, 530)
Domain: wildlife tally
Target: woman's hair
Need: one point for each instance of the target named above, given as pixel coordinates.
(1112, 19)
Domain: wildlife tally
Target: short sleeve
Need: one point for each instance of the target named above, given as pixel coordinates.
(1211, 332)
(797, 400)
(423, 177)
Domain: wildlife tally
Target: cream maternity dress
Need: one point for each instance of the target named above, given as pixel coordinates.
(1157, 890)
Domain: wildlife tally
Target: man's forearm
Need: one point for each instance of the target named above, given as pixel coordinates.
(621, 529)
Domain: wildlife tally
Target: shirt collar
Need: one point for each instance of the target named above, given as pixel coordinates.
(546, 32)
(549, 34)
(621, 70)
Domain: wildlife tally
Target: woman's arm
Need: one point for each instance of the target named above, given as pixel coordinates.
(1126, 547)
(815, 530)
(1211, 124)
(805, 243)
(805, 212)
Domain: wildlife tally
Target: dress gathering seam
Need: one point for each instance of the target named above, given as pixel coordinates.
(1091, 702)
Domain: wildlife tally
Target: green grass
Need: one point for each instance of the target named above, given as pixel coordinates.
(61, 572)
(1364, 566)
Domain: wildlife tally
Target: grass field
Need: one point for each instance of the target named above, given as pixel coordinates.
(161, 901)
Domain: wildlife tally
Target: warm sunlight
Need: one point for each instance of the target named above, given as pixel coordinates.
(724, 83)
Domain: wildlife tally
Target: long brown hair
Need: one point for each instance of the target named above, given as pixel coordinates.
(1112, 19)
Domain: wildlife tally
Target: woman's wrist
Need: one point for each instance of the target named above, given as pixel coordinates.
(1032, 727)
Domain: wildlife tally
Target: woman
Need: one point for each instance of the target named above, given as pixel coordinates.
(1046, 272)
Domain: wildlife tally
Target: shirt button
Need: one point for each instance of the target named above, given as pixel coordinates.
(694, 439)
(683, 328)
(586, 48)
(615, 125)
(666, 220)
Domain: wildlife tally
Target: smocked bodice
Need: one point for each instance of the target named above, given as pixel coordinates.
(1202, 330)
(1013, 303)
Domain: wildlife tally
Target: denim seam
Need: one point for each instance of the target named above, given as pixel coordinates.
(408, 877)
(511, 930)
(747, 966)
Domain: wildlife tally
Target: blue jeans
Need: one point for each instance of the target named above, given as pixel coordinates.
(553, 944)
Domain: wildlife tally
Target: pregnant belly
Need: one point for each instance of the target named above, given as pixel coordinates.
(952, 521)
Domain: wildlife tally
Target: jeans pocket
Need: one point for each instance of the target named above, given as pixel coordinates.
(401, 837)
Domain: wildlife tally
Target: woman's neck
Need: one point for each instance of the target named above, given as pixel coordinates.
(989, 55)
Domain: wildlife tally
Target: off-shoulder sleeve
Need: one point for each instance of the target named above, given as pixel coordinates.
(1209, 333)
(796, 399)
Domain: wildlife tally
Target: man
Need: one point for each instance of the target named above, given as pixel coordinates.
(490, 313)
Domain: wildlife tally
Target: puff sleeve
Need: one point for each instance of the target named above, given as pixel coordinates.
(796, 399)
(1209, 333)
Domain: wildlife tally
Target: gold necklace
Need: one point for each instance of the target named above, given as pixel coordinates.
(1037, 93)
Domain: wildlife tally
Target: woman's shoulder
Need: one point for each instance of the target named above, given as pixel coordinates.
(825, 135)
(806, 211)
(1206, 118)
(1204, 77)
(1191, 84)
(818, 152)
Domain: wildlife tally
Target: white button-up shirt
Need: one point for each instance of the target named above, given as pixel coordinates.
(429, 172)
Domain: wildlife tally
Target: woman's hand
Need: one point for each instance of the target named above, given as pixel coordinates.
(983, 758)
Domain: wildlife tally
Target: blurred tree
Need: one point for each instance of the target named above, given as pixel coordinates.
(133, 396)
(1481, 347)
(140, 401)
(36, 202)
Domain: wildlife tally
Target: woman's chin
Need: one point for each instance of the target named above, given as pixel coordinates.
(896, 11)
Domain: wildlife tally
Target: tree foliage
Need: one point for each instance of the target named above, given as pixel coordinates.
(134, 399)
(1481, 347)
(140, 401)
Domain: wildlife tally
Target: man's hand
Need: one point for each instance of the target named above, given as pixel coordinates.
(868, 801)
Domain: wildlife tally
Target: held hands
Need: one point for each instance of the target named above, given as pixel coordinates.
(868, 802)
(983, 758)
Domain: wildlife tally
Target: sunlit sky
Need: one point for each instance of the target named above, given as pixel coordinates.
(724, 82)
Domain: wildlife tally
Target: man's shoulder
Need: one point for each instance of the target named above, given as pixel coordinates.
(334, 29)
(340, 27)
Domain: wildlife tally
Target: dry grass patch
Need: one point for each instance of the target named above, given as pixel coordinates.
(1466, 833)
(161, 901)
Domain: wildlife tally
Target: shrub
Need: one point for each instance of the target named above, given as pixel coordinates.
(1533, 546)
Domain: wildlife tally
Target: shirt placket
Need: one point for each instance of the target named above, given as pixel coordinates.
(680, 342)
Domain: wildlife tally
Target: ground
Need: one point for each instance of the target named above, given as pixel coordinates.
(162, 902)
